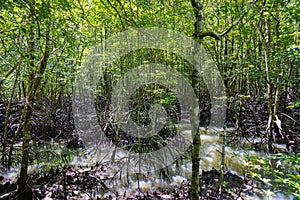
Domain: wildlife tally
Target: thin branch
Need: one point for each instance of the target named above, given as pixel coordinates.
(4, 47)
(198, 7)
(124, 11)
(118, 13)
(232, 26)
(219, 36)
(10, 72)
(209, 33)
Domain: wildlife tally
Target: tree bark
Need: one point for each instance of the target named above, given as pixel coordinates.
(34, 80)
(24, 191)
(5, 133)
(199, 34)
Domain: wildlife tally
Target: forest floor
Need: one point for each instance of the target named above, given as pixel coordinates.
(92, 183)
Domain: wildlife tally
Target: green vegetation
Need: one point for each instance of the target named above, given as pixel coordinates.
(255, 44)
(276, 172)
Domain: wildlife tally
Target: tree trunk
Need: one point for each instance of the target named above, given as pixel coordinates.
(5, 133)
(34, 80)
(273, 87)
(199, 34)
(24, 191)
(198, 29)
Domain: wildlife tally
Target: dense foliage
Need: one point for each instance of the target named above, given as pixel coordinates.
(255, 45)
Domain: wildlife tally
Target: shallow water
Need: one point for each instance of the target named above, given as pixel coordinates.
(211, 147)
